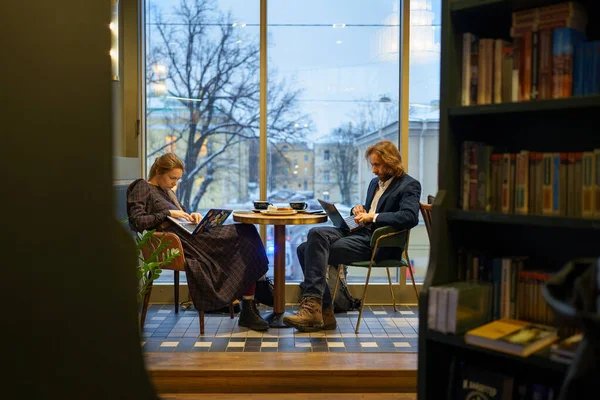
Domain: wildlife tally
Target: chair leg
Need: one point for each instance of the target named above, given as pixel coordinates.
(337, 283)
(364, 300)
(391, 289)
(145, 305)
(231, 310)
(176, 288)
(201, 315)
(412, 277)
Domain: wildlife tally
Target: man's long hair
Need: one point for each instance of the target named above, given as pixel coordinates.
(390, 156)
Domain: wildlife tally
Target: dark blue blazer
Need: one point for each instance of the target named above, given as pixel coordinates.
(399, 204)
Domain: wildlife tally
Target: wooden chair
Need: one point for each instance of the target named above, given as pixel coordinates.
(177, 265)
(426, 214)
(383, 237)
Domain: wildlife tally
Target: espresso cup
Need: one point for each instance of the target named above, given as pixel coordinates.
(298, 205)
(261, 205)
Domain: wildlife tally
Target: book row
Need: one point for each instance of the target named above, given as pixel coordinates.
(488, 289)
(549, 57)
(530, 182)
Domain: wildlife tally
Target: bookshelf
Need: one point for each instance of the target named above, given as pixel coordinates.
(565, 125)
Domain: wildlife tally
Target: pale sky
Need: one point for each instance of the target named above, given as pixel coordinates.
(337, 67)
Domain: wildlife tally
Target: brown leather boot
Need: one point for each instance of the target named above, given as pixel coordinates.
(329, 321)
(309, 317)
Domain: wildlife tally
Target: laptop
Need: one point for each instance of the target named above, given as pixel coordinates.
(338, 221)
(214, 217)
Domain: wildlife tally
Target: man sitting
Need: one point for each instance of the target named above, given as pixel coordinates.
(392, 200)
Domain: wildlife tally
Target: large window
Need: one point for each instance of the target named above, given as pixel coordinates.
(423, 134)
(202, 93)
(337, 63)
(333, 90)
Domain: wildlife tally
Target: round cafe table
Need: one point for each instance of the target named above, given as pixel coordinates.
(275, 319)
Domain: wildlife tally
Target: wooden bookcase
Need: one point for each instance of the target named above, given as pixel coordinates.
(540, 125)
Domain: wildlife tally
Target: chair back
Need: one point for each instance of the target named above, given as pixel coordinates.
(394, 239)
(178, 264)
(426, 214)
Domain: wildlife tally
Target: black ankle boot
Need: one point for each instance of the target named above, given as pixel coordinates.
(250, 317)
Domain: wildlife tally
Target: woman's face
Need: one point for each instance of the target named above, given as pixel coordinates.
(169, 179)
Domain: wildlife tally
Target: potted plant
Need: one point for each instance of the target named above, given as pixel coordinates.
(152, 256)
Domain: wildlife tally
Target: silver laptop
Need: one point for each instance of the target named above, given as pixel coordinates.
(338, 221)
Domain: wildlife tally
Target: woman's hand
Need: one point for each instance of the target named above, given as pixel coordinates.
(364, 218)
(359, 209)
(196, 217)
(181, 214)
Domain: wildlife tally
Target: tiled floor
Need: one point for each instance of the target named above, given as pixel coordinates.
(381, 330)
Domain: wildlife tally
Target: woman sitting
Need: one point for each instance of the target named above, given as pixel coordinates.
(222, 263)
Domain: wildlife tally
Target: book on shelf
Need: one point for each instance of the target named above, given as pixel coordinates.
(515, 282)
(549, 57)
(475, 382)
(565, 350)
(459, 306)
(530, 182)
(516, 337)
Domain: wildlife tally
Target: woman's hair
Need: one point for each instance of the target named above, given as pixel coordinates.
(165, 163)
(390, 156)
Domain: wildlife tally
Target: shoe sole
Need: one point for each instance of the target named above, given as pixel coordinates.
(261, 329)
(329, 327)
(303, 327)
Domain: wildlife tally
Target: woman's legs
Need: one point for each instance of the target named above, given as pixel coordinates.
(250, 317)
(249, 294)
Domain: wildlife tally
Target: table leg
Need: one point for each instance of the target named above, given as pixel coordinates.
(275, 319)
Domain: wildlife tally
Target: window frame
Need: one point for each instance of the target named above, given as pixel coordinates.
(402, 291)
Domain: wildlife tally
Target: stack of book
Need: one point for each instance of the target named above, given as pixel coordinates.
(516, 337)
(459, 306)
(548, 58)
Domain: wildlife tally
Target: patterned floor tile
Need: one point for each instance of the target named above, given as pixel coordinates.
(381, 330)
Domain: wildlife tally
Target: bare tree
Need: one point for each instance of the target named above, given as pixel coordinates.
(344, 158)
(211, 69)
(371, 115)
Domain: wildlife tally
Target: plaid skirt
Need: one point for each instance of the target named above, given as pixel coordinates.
(222, 263)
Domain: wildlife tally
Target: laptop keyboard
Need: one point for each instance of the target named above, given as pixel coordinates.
(351, 222)
(189, 226)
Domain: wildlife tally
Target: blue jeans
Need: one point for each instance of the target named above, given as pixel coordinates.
(329, 246)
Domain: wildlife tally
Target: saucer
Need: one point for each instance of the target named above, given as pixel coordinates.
(283, 212)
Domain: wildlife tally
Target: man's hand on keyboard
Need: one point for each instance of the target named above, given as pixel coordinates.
(364, 218)
(358, 209)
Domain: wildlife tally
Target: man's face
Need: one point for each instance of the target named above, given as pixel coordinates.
(378, 167)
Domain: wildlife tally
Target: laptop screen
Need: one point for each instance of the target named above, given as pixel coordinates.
(333, 214)
(214, 217)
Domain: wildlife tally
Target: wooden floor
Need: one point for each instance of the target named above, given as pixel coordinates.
(286, 374)
(292, 396)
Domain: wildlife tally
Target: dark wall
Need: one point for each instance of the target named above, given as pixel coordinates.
(69, 319)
